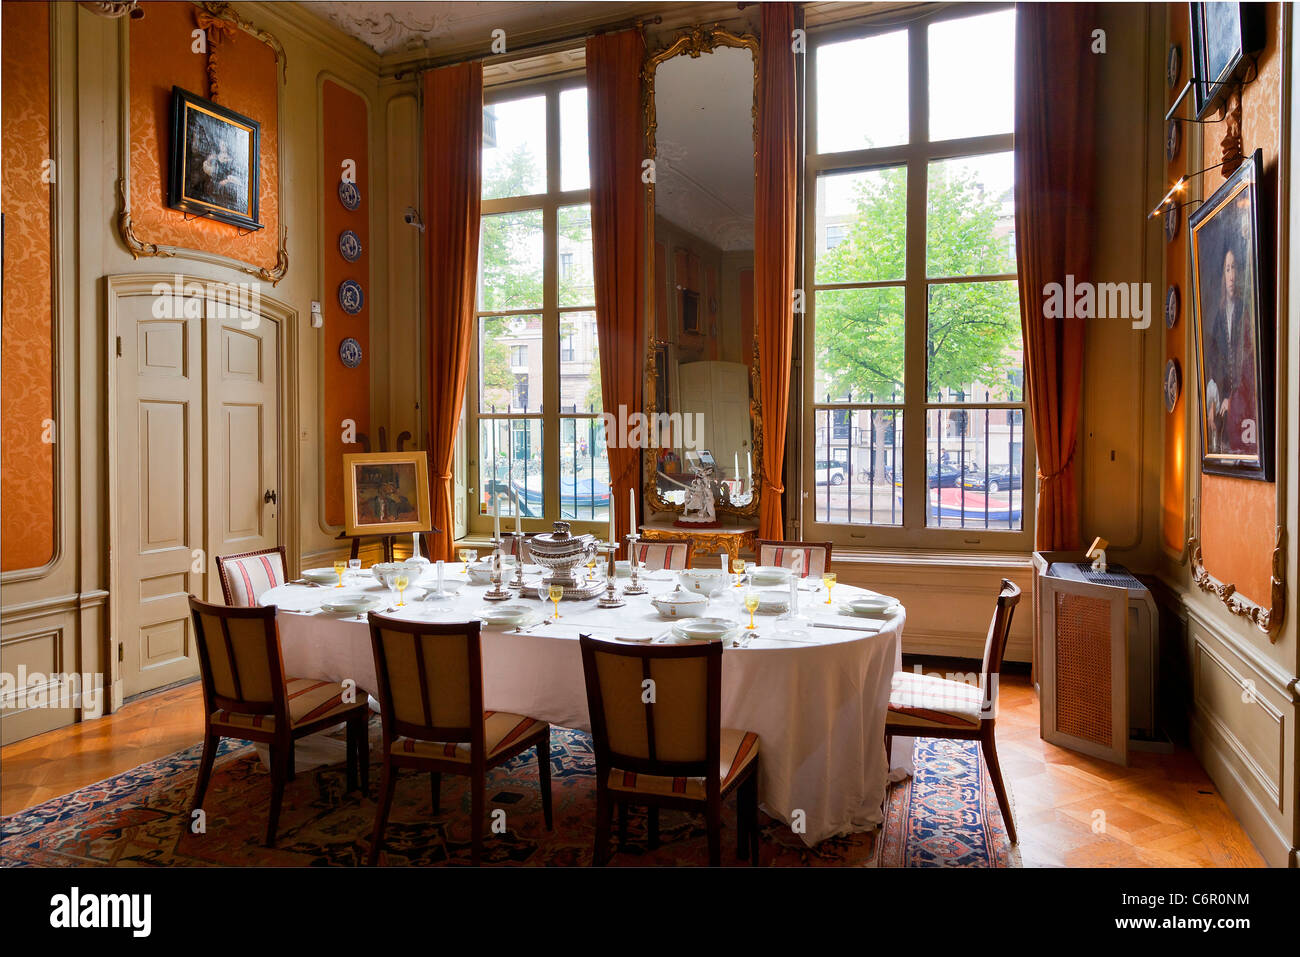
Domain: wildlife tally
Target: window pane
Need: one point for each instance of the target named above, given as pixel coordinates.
(970, 216)
(577, 287)
(972, 75)
(975, 468)
(859, 345)
(584, 470)
(575, 170)
(579, 363)
(510, 466)
(510, 261)
(862, 225)
(858, 466)
(514, 147)
(510, 363)
(975, 352)
(862, 93)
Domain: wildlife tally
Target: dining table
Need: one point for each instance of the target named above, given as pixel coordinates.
(815, 688)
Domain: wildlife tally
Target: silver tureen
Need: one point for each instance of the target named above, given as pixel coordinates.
(560, 553)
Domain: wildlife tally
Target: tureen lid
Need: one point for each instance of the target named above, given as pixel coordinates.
(678, 596)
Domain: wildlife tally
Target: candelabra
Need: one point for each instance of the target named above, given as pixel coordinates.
(497, 592)
(518, 581)
(634, 586)
(611, 598)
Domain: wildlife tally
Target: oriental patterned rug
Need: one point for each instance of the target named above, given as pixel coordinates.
(946, 816)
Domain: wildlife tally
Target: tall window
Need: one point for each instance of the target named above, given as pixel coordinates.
(915, 373)
(537, 447)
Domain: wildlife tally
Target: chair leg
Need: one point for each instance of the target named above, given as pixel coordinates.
(293, 765)
(604, 813)
(363, 752)
(652, 827)
(713, 818)
(990, 750)
(753, 822)
(544, 779)
(351, 750)
(387, 787)
(747, 819)
(889, 750)
(622, 825)
(210, 742)
(478, 807)
(435, 786)
(281, 768)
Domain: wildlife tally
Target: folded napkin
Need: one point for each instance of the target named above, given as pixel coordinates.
(845, 623)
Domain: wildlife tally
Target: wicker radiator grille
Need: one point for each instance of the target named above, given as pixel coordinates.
(1083, 680)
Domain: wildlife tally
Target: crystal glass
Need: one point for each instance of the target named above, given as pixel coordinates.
(354, 567)
(591, 566)
(829, 580)
(339, 567)
(468, 555)
(751, 605)
(400, 581)
(738, 569)
(555, 593)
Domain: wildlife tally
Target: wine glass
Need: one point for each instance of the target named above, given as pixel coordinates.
(354, 567)
(400, 581)
(738, 569)
(751, 606)
(468, 555)
(339, 567)
(829, 580)
(555, 593)
(591, 566)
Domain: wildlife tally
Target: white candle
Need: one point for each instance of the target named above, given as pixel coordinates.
(749, 468)
(519, 528)
(612, 538)
(631, 501)
(735, 465)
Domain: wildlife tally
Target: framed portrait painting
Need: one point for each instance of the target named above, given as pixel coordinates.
(1223, 36)
(386, 492)
(214, 161)
(1230, 292)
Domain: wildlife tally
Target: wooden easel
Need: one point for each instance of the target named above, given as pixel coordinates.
(385, 540)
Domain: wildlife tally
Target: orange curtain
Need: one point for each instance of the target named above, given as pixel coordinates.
(453, 142)
(618, 241)
(774, 250)
(1055, 82)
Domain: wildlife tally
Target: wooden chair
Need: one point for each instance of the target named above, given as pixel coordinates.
(246, 696)
(430, 680)
(816, 555)
(930, 707)
(672, 750)
(246, 577)
(672, 554)
(508, 547)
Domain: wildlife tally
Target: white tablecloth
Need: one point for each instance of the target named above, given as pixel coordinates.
(818, 704)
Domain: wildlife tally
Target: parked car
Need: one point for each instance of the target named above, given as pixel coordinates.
(939, 476)
(829, 472)
(1000, 478)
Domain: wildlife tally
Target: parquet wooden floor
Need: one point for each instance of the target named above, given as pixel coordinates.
(1071, 810)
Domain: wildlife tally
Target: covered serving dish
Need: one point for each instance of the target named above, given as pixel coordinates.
(560, 553)
(680, 604)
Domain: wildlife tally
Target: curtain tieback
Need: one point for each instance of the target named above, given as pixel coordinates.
(443, 476)
(774, 487)
(1056, 474)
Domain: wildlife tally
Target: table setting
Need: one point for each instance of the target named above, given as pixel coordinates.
(807, 663)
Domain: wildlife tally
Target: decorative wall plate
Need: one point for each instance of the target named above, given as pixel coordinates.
(351, 298)
(1171, 305)
(1173, 384)
(1171, 223)
(350, 352)
(1172, 140)
(1173, 65)
(349, 194)
(349, 245)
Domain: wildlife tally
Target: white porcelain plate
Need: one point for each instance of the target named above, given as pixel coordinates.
(705, 629)
(871, 606)
(509, 615)
(321, 576)
(350, 604)
(769, 575)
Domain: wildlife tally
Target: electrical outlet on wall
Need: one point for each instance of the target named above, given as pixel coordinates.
(317, 318)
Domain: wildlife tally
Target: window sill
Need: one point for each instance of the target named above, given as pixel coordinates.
(929, 558)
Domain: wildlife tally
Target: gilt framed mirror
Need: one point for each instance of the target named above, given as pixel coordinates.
(701, 117)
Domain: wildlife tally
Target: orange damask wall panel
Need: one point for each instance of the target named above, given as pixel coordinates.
(27, 474)
(162, 56)
(346, 392)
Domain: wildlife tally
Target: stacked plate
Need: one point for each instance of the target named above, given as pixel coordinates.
(352, 604)
(510, 615)
(705, 629)
(870, 606)
(761, 575)
(321, 576)
(775, 601)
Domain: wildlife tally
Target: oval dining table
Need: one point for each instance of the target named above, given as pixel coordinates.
(815, 691)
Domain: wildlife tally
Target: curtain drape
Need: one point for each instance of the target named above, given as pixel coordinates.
(1055, 90)
(618, 242)
(774, 250)
(453, 142)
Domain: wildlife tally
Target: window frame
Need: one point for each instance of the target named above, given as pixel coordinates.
(915, 156)
(551, 415)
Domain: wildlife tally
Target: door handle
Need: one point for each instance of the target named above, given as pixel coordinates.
(269, 496)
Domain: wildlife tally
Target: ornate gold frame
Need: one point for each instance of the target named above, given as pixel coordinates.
(1268, 620)
(693, 42)
(134, 244)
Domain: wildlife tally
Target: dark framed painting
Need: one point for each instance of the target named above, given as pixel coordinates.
(214, 161)
(386, 493)
(1223, 36)
(1234, 328)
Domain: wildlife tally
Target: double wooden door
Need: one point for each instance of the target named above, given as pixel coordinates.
(196, 468)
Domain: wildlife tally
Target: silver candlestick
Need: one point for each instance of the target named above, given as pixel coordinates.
(518, 580)
(497, 592)
(634, 586)
(611, 598)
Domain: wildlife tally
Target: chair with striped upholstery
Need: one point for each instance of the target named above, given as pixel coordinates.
(672, 750)
(927, 706)
(430, 679)
(816, 555)
(246, 695)
(508, 547)
(662, 554)
(246, 577)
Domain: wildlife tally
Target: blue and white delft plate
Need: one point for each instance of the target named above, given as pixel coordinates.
(350, 352)
(349, 245)
(351, 298)
(349, 194)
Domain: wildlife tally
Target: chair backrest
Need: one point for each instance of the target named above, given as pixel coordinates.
(430, 678)
(655, 709)
(816, 555)
(995, 645)
(508, 547)
(246, 577)
(239, 659)
(664, 554)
